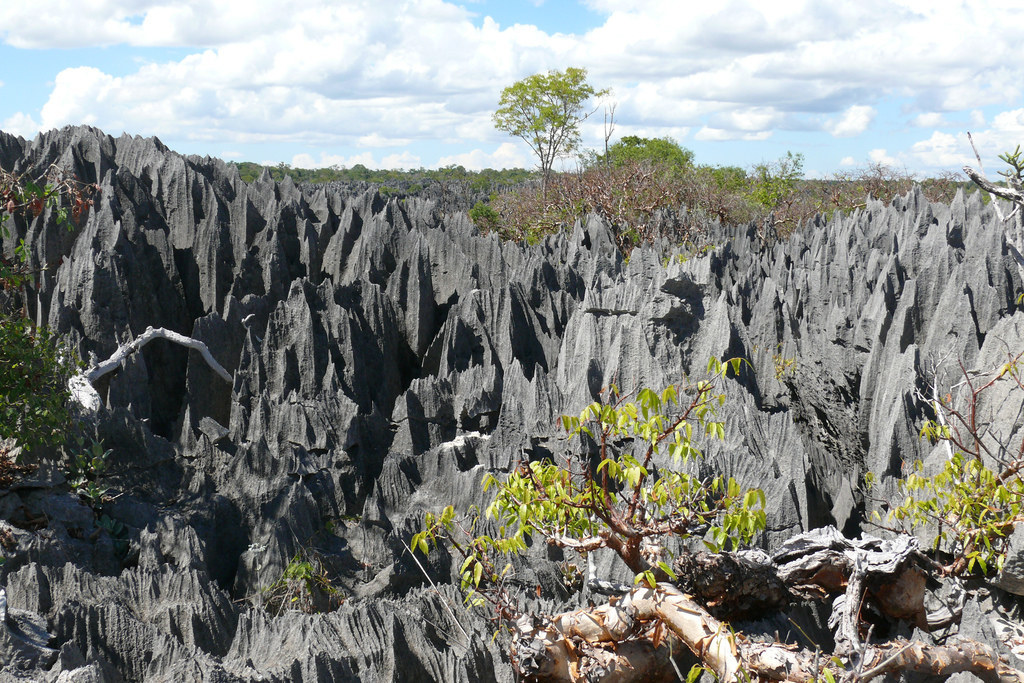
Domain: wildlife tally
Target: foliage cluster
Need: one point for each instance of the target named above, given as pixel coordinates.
(34, 367)
(33, 384)
(641, 199)
(1015, 176)
(86, 464)
(974, 501)
(24, 195)
(615, 495)
(659, 151)
(641, 187)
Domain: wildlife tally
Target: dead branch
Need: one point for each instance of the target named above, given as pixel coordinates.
(81, 385)
(1008, 193)
(122, 353)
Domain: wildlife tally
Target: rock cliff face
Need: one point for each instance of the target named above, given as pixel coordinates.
(385, 355)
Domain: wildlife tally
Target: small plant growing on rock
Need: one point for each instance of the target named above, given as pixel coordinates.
(304, 586)
(977, 497)
(86, 464)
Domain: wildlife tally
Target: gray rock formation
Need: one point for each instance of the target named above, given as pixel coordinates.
(385, 355)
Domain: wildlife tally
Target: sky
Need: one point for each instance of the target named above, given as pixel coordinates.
(410, 84)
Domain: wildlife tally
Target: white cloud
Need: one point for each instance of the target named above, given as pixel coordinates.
(941, 150)
(20, 124)
(377, 140)
(326, 160)
(326, 74)
(749, 119)
(930, 120)
(1009, 121)
(507, 155)
(847, 162)
(881, 156)
(854, 121)
(718, 134)
(403, 160)
(947, 151)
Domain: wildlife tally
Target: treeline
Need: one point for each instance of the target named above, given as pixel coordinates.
(392, 181)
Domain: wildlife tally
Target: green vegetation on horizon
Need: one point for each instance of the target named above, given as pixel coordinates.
(410, 182)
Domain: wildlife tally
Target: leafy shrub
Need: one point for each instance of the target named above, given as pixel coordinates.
(33, 384)
(973, 505)
(641, 199)
(484, 217)
(34, 367)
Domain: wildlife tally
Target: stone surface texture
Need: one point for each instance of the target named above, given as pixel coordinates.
(386, 355)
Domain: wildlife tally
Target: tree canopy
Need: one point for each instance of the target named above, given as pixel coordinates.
(655, 150)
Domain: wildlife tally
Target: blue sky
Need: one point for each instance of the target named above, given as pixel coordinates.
(413, 83)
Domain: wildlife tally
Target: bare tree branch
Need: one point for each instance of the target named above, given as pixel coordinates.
(122, 353)
(984, 183)
(82, 391)
(558, 649)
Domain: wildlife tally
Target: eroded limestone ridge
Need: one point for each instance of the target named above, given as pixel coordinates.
(385, 355)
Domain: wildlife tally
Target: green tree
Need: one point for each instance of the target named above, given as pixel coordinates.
(773, 184)
(667, 151)
(546, 110)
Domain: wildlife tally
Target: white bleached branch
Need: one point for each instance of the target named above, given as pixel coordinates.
(81, 385)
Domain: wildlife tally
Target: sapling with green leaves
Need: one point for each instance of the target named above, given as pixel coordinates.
(620, 498)
(977, 497)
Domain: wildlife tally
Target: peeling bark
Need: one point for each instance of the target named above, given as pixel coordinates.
(1012, 194)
